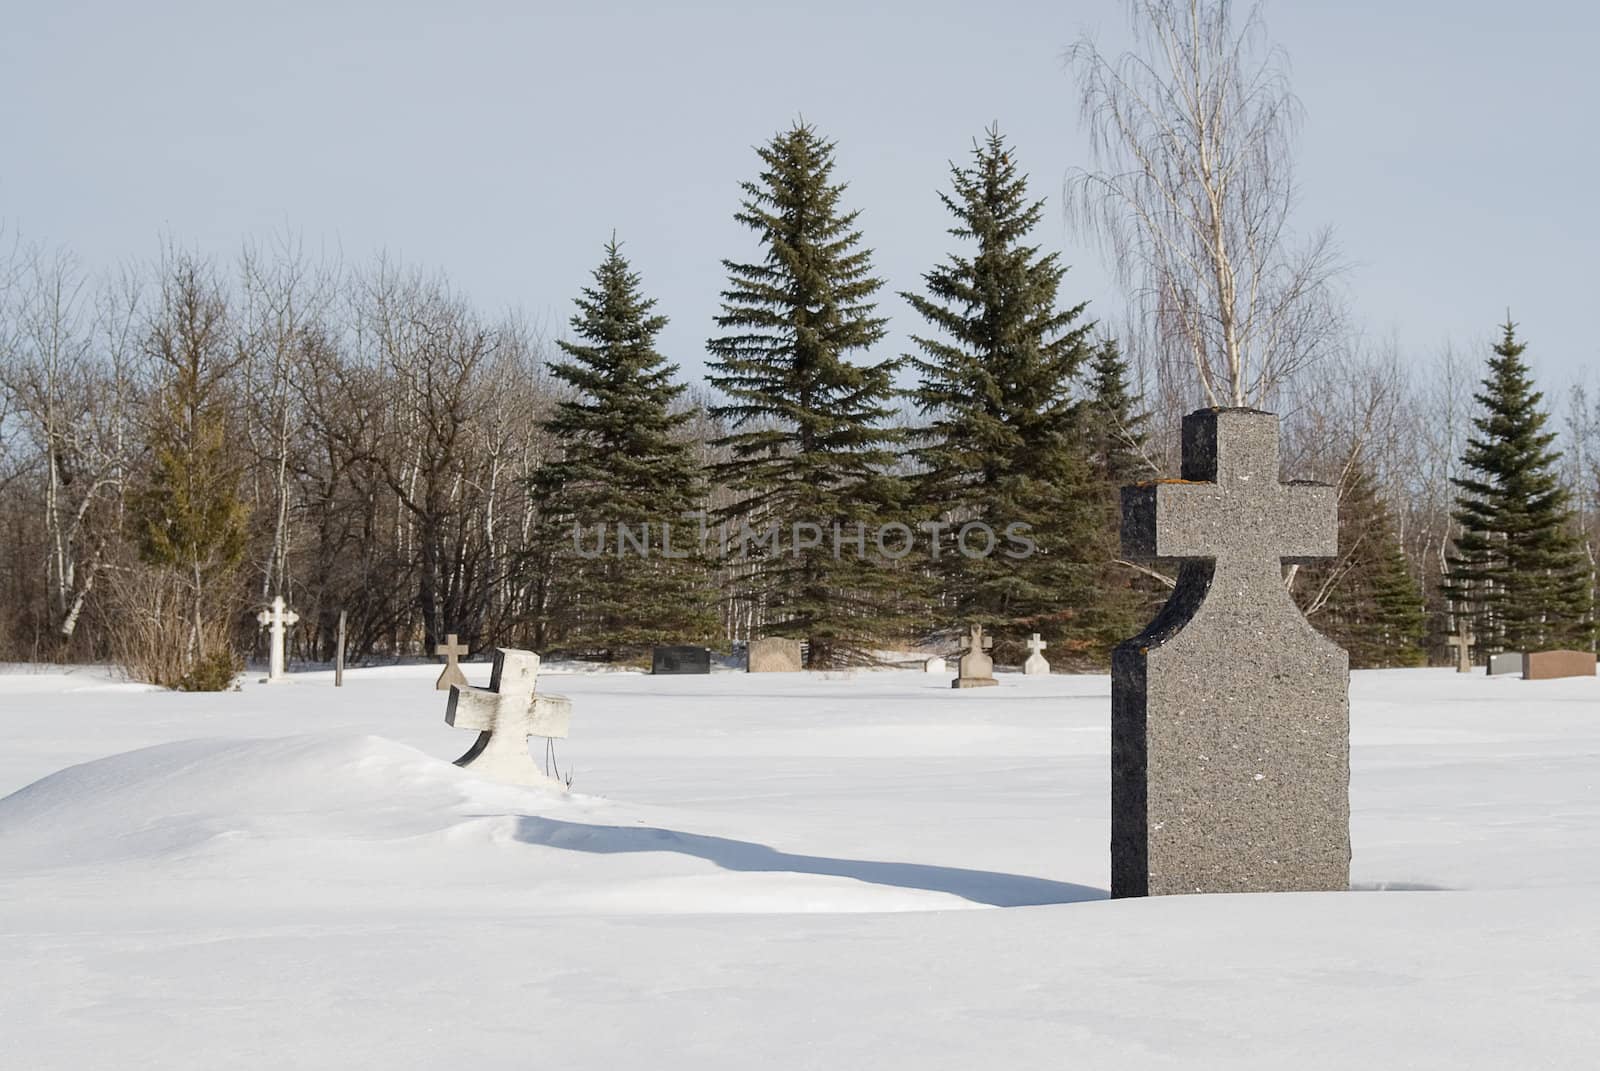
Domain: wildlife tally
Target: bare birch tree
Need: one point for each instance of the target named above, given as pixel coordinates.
(1192, 135)
(284, 296)
(69, 375)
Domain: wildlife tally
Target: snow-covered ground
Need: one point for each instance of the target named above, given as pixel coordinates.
(769, 872)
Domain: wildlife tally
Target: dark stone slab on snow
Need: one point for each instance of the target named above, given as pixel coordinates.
(684, 659)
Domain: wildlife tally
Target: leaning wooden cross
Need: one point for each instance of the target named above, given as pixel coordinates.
(1230, 739)
(506, 714)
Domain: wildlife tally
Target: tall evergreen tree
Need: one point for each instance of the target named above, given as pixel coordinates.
(1399, 615)
(1516, 572)
(1365, 599)
(1004, 441)
(624, 462)
(1115, 437)
(1115, 431)
(187, 519)
(810, 444)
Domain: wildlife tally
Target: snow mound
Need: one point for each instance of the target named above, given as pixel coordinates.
(177, 798)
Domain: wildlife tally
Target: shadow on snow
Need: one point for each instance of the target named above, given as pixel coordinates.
(979, 886)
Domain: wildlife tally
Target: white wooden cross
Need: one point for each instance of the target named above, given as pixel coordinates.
(277, 620)
(506, 714)
(1462, 641)
(1036, 666)
(451, 649)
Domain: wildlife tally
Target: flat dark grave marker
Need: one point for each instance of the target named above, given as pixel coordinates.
(669, 661)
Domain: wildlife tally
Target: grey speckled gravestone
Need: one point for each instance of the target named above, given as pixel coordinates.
(1230, 715)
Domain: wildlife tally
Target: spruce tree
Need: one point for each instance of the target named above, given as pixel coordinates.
(1115, 439)
(1115, 431)
(623, 462)
(1365, 599)
(809, 446)
(1517, 572)
(1004, 443)
(186, 517)
(1399, 617)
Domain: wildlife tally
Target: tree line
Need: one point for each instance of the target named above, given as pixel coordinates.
(180, 443)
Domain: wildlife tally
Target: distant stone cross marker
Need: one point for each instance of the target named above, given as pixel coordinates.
(1462, 641)
(451, 649)
(277, 621)
(1036, 666)
(1230, 745)
(506, 714)
(975, 669)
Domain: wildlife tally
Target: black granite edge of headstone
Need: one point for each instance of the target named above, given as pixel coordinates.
(680, 659)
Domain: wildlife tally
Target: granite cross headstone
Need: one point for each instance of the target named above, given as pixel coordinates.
(1230, 745)
(506, 714)
(1036, 666)
(451, 649)
(975, 669)
(277, 621)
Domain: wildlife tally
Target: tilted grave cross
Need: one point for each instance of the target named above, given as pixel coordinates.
(975, 669)
(1036, 666)
(451, 649)
(506, 714)
(277, 621)
(1462, 641)
(1230, 745)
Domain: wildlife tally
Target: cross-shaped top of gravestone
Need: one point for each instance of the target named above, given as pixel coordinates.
(277, 617)
(506, 714)
(1462, 641)
(977, 641)
(1230, 511)
(451, 674)
(1035, 644)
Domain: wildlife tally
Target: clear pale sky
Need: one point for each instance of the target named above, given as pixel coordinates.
(1451, 144)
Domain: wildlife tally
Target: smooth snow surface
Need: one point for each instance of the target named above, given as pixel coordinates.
(772, 872)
